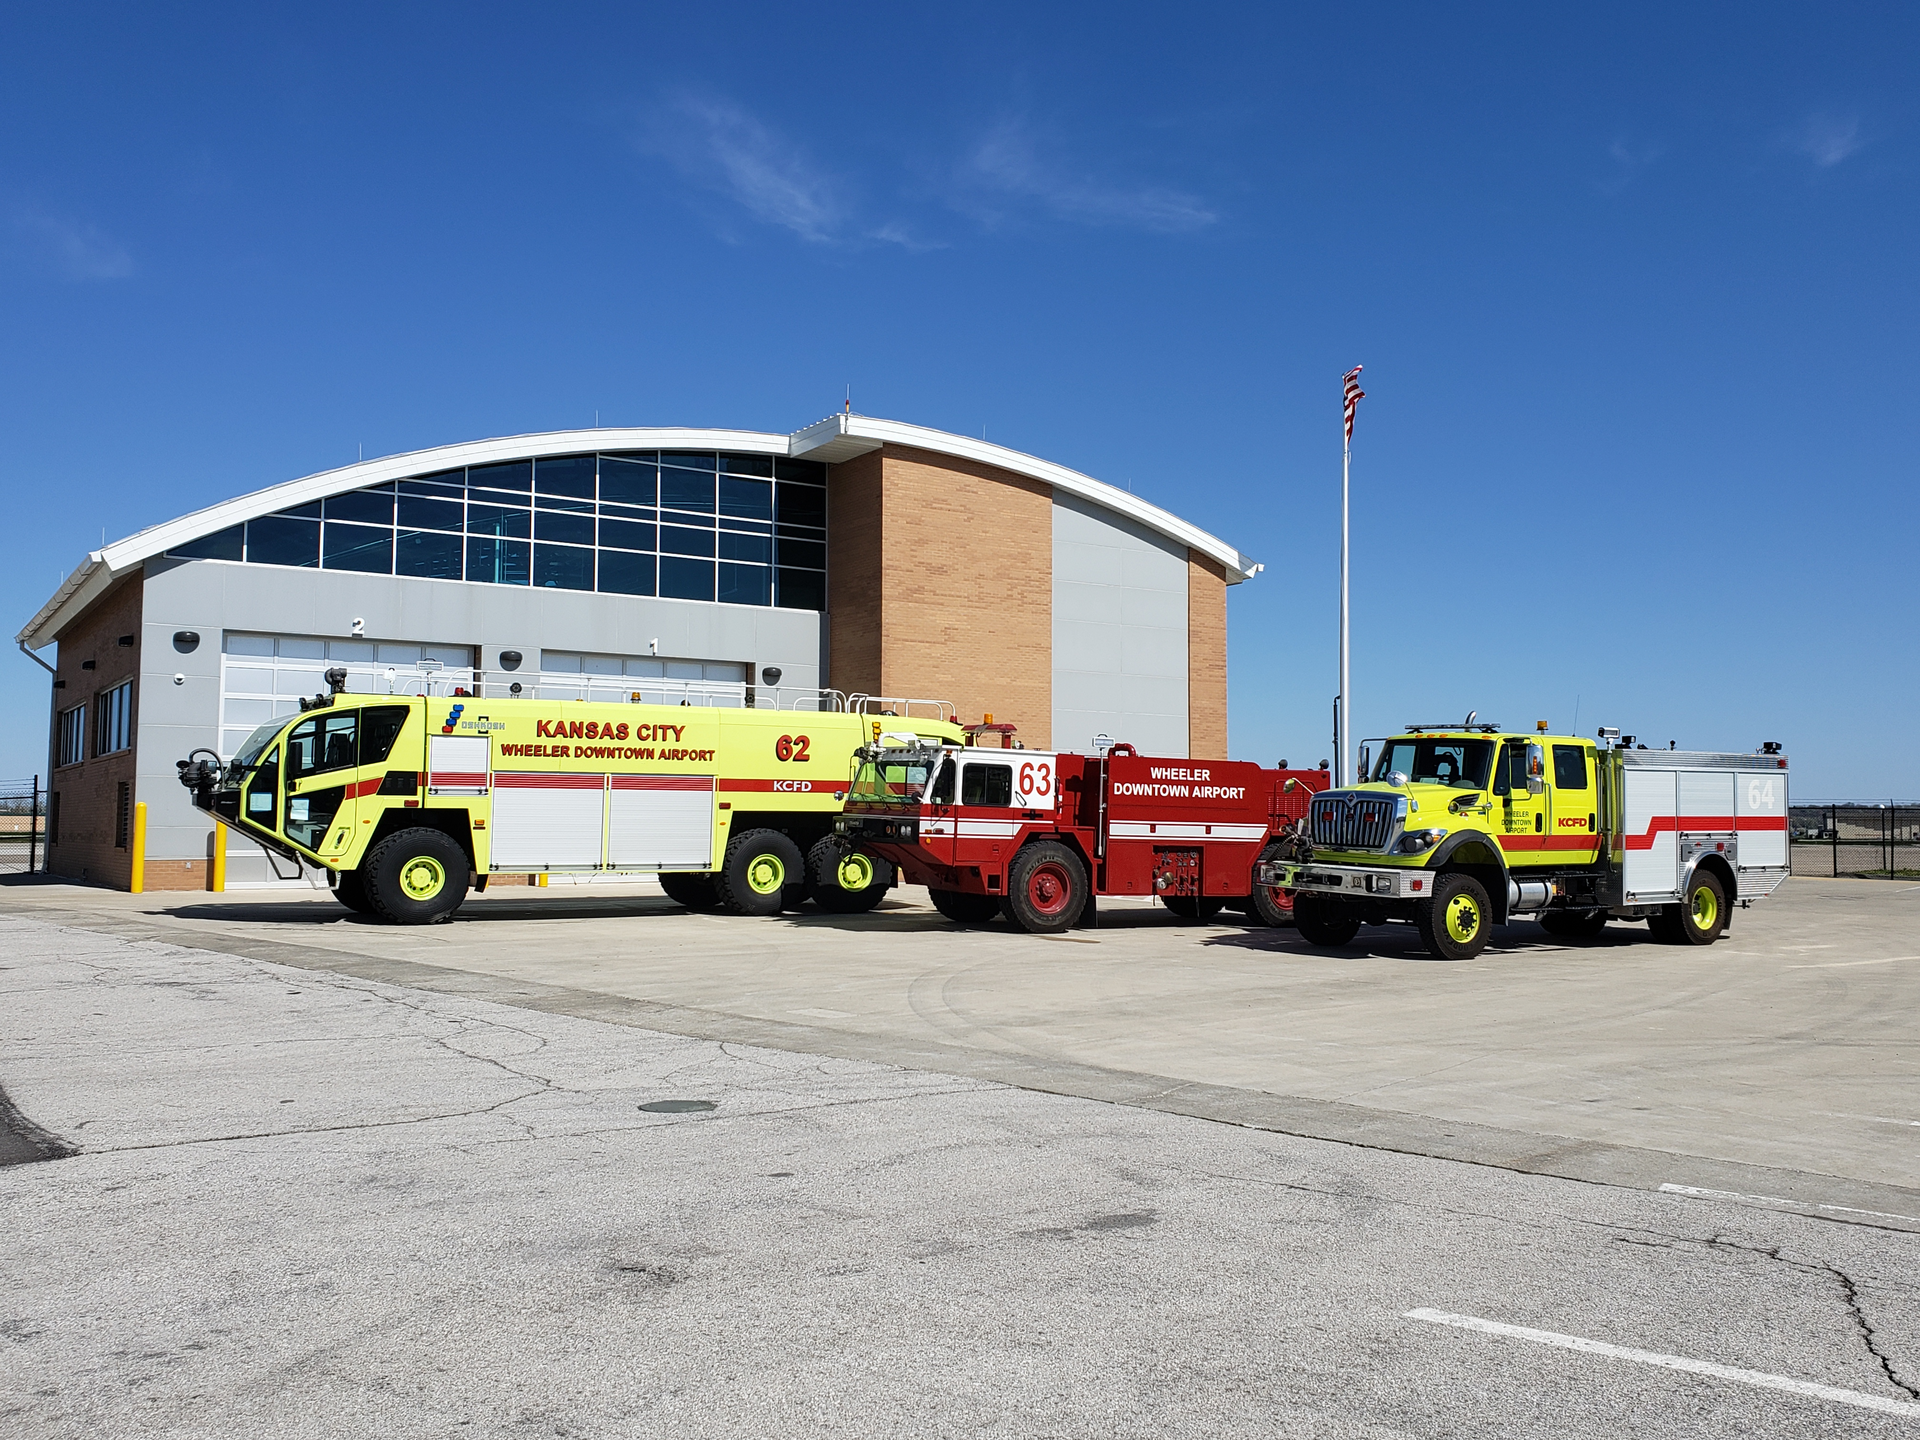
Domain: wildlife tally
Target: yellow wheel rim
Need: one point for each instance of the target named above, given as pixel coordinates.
(855, 872)
(422, 877)
(1463, 919)
(765, 874)
(1705, 906)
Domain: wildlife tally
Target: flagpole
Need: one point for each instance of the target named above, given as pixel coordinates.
(1343, 719)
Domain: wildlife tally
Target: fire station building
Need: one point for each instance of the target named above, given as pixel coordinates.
(728, 567)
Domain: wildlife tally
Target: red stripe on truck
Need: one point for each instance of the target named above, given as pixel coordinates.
(466, 779)
(663, 782)
(525, 780)
(1713, 824)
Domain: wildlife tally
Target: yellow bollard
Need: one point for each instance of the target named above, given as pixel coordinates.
(139, 847)
(218, 882)
(543, 879)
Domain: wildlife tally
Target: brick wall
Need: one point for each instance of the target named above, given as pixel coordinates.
(1206, 658)
(942, 585)
(89, 791)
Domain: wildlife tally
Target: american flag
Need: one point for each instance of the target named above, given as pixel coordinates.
(1354, 396)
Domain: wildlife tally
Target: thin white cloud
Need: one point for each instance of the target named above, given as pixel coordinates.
(1007, 171)
(1827, 139)
(722, 148)
(78, 250)
(1629, 159)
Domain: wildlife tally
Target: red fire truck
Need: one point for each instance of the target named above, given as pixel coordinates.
(1036, 835)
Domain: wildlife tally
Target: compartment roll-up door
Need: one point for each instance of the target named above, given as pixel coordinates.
(545, 820)
(661, 822)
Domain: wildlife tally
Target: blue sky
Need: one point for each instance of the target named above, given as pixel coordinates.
(1634, 288)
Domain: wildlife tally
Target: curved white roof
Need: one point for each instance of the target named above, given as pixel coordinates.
(837, 438)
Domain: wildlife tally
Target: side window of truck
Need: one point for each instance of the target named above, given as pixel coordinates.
(1510, 775)
(987, 785)
(322, 743)
(1569, 767)
(380, 726)
(942, 791)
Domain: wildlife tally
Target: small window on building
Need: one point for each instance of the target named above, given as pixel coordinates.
(122, 814)
(113, 720)
(1569, 767)
(227, 544)
(70, 736)
(987, 785)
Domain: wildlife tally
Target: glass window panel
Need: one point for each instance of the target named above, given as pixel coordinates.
(372, 507)
(569, 529)
(723, 670)
(249, 645)
(802, 505)
(622, 573)
(308, 511)
(559, 662)
(687, 490)
(420, 513)
(562, 567)
(801, 532)
(744, 584)
(627, 482)
(751, 527)
(684, 670)
(298, 647)
(653, 669)
(561, 502)
(754, 549)
(809, 471)
(459, 657)
(500, 562)
(456, 478)
(678, 540)
(761, 465)
(398, 654)
(626, 512)
(688, 459)
(283, 540)
(626, 534)
(356, 651)
(801, 589)
(427, 556)
(515, 476)
(747, 499)
(600, 664)
(492, 520)
(686, 579)
(359, 547)
(564, 475)
(810, 553)
(227, 544)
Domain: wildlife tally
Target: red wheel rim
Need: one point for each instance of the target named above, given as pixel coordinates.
(1282, 899)
(1049, 887)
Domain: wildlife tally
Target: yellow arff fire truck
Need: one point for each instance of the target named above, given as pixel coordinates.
(407, 802)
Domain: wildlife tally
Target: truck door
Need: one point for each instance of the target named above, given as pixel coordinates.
(1573, 811)
(322, 755)
(1523, 814)
(937, 820)
(260, 793)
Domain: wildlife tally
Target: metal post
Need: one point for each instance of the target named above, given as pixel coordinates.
(1833, 833)
(33, 827)
(1343, 706)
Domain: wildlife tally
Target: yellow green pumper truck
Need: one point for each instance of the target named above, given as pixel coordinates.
(407, 803)
(1458, 828)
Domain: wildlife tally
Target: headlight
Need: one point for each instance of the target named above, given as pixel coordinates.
(1415, 841)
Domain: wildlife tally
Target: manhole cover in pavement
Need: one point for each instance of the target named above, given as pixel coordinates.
(678, 1107)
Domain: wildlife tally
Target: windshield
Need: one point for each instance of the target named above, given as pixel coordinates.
(1463, 764)
(251, 747)
(896, 778)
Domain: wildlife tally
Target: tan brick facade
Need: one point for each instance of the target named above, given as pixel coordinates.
(88, 794)
(1206, 658)
(941, 585)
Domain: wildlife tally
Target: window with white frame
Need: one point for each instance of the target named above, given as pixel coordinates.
(70, 736)
(113, 719)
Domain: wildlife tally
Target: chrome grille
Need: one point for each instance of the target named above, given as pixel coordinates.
(1343, 821)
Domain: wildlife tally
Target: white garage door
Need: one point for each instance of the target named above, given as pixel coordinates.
(263, 677)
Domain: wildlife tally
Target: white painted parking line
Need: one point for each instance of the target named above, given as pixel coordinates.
(1759, 1378)
(1849, 964)
(1698, 1194)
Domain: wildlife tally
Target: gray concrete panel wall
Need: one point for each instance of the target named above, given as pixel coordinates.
(1119, 632)
(213, 597)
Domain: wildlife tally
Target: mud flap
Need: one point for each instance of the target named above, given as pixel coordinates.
(1089, 913)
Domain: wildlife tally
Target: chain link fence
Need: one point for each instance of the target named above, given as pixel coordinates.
(23, 826)
(1855, 840)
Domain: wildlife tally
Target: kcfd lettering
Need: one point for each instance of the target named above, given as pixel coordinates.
(594, 730)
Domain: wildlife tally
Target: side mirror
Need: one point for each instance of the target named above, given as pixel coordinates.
(1366, 760)
(1536, 769)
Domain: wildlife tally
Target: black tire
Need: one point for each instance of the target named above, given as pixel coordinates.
(831, 862)
(1574, 924)
(416, 877)
(963, 908)
(761, 866)
(1457, 922)
(1194, 907)
(350, 889)
(1046, 888)
(1703, 914)
(694, 889)
(1269, 904)
(1322, 921)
